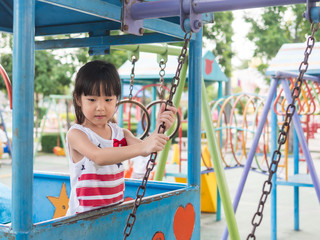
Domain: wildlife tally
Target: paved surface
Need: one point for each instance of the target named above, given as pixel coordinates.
(212, 229)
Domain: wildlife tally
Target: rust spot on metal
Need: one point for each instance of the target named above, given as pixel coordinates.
(16, 132)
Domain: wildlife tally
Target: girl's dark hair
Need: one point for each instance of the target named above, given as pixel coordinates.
(90, 78)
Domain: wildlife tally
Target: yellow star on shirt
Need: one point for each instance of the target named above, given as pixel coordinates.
(61, 203)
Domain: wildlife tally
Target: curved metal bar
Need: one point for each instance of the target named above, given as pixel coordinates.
(233, 116)
(7, 82)
(145, 112)
(160, 102)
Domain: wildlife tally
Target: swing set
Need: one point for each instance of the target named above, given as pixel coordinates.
(172, 211)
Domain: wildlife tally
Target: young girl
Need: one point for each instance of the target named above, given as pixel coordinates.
(97, 146)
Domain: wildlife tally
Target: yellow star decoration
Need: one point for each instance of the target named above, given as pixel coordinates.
(61, 203)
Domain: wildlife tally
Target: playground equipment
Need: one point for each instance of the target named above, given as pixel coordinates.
(132, 101)
(7, 82)
(177, 204)
(307, 109)
(60, 149)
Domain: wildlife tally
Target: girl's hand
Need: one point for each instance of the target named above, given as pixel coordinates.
(154, 143)
(167, 116)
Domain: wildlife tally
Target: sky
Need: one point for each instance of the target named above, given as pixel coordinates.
(242, 47)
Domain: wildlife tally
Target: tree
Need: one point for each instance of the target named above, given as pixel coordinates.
(273, 28)
(221, 33)
(116, 57)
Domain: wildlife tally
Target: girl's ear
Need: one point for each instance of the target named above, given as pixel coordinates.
(78, 101)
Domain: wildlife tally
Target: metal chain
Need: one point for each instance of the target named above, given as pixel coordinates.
(132, 75)
(267, 186)
(162, 72)
(151, 162)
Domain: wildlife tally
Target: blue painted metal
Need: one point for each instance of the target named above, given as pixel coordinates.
(43, 210)
(194, 122)
(99, 8)
(285, 74)
(153, 113)
(296, 171)
(274, 143)
(97, 224)
(307, 13)
(104, 41)
(76, 28)
(5, 204)
(51, 16)
(22, 124)
(194, 110)
(315, 14)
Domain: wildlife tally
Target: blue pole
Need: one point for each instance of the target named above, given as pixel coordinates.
(22, 125)
(273, 196)
(296, 171)
(153, 113)
(245, 172)
(120, 110)
(194, 122)
(194, 111)
(218, 214)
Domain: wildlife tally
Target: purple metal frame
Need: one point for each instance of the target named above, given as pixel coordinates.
(302, 140)
(190, 11)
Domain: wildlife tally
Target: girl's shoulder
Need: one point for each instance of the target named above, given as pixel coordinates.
(117, 131)
(83, 129)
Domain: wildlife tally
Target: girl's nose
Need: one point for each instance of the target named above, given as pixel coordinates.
(99, 105)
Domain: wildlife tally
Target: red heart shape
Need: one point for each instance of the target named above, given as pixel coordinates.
(183, 222)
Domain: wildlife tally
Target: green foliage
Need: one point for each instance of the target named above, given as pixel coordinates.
(221, 33)
(116, 57)
(72, 116)
(49, 141)
(274, 28)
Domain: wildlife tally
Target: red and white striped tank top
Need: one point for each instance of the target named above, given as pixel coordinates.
(94, 186)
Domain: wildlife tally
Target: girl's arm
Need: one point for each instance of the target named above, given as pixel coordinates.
(80, 146)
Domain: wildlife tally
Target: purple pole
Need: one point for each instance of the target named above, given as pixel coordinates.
(252, 151)
(169, 8)
(302, 140)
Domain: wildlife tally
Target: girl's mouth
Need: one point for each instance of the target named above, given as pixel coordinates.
(99, 116)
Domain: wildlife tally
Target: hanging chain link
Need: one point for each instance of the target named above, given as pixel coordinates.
(162, 72)
(132, 75)
(267, 186)
(153, 156)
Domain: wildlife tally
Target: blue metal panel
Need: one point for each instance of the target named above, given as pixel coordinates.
(77, 28)
(44, 209)
(98, 8)
(22, 124)
(159, 212)
(104, 41)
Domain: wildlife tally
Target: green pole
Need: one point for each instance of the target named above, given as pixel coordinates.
(218, 168)
(163, 156)
(151, 48)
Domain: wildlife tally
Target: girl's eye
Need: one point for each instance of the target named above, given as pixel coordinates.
(91, 99)
(108, 100)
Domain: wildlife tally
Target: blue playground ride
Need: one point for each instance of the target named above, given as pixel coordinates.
(166, 208)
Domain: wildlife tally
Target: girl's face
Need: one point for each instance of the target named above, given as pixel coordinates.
(98, 110)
